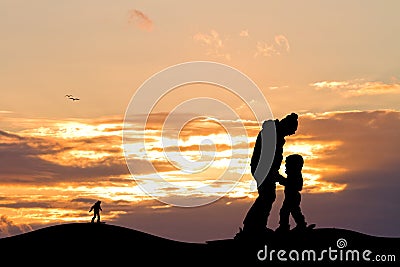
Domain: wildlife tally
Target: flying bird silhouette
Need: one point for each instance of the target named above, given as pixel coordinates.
(72, 98)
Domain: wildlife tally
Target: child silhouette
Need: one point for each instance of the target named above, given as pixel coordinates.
(96, 210)
(293, 185)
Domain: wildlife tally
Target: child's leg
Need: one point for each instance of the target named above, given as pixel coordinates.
(297, 213)
(284, 214)
(97, 214)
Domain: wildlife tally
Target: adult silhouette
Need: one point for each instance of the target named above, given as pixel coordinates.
(256, 218)
(96, 211)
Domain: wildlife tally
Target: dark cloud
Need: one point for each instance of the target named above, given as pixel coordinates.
(369, 140)
(26, 204)
(113, 139)
(22, 161)
(9, 135)
(84, 200)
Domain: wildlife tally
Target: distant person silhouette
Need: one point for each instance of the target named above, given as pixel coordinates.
(96, 210)
(256, 218)
(293, 185)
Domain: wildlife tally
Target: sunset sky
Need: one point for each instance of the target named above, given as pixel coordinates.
(335, 63)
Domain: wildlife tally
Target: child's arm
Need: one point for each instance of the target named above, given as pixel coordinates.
(281, 179)
(300, 184)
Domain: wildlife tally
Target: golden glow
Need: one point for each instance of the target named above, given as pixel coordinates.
(310, 150)
(86, 144)
(313, 174)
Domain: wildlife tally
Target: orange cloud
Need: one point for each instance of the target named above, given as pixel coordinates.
(358, 87)
(280, 46)
(244, 33)
(141, 20)
(214, 44)
(283, 42)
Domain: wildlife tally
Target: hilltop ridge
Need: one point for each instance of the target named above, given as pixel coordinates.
(77, 243)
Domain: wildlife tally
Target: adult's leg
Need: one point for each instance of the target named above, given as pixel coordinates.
(257, 217)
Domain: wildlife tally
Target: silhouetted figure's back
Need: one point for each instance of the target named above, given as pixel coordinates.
(96, 209)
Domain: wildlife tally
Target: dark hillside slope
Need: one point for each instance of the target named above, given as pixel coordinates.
(75, 244)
